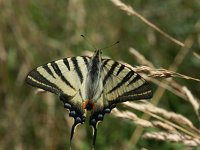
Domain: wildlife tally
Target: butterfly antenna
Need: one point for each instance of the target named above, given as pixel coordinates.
(89, 42)
(110, 45)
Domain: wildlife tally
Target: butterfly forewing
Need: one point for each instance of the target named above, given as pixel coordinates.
(121, 83)
(64, 76)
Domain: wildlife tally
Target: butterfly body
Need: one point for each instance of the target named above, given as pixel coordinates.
(93, 82)
(90, 83)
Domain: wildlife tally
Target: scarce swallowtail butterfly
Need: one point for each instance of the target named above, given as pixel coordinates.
(90, 84)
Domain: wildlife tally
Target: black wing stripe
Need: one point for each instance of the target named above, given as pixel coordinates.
(58, 72)
(65, 61)
(42, 86)
(142, 92)
(85, 60)
(138, 77)
(124, 80)
(42, 82)
(48, 70)
(77, 68)
(105, 61)
(139, 90)
(110, 72)
(120, 69)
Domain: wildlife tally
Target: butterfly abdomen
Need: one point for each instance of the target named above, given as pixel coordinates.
(93, 78)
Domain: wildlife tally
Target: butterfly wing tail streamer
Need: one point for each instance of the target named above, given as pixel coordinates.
(75, 112)
(94, 125)
(72, 132)
(94, 136)
(96, 117)
(77, 121)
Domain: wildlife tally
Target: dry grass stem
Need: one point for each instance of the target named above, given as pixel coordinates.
(180, 91)
(196, 55)
(164, 126)
(176, 127)
(173, 137)
(193, 101)
(130, 11)
(162, 73)
(141, 122)
(160, 91)
(166, 86)
(133, 117)
(173, 127)
(148, 107)
(171, 85)
(180, 56)
(140, 58)
(187, 95)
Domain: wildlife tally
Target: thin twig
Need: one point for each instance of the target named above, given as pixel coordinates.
(130, 11)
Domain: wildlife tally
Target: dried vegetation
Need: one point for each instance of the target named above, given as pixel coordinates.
(171, 126)
(30, 35)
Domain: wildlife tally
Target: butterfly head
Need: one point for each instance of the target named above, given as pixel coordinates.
(97, 55)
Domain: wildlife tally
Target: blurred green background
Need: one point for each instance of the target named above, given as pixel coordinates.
(34, 32)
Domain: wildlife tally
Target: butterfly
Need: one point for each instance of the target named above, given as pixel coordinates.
(92, 84)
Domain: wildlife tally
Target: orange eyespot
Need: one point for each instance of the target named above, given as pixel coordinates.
(84, 104)
(88, 104)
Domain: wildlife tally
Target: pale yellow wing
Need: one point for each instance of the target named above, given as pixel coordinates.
(121, 83)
